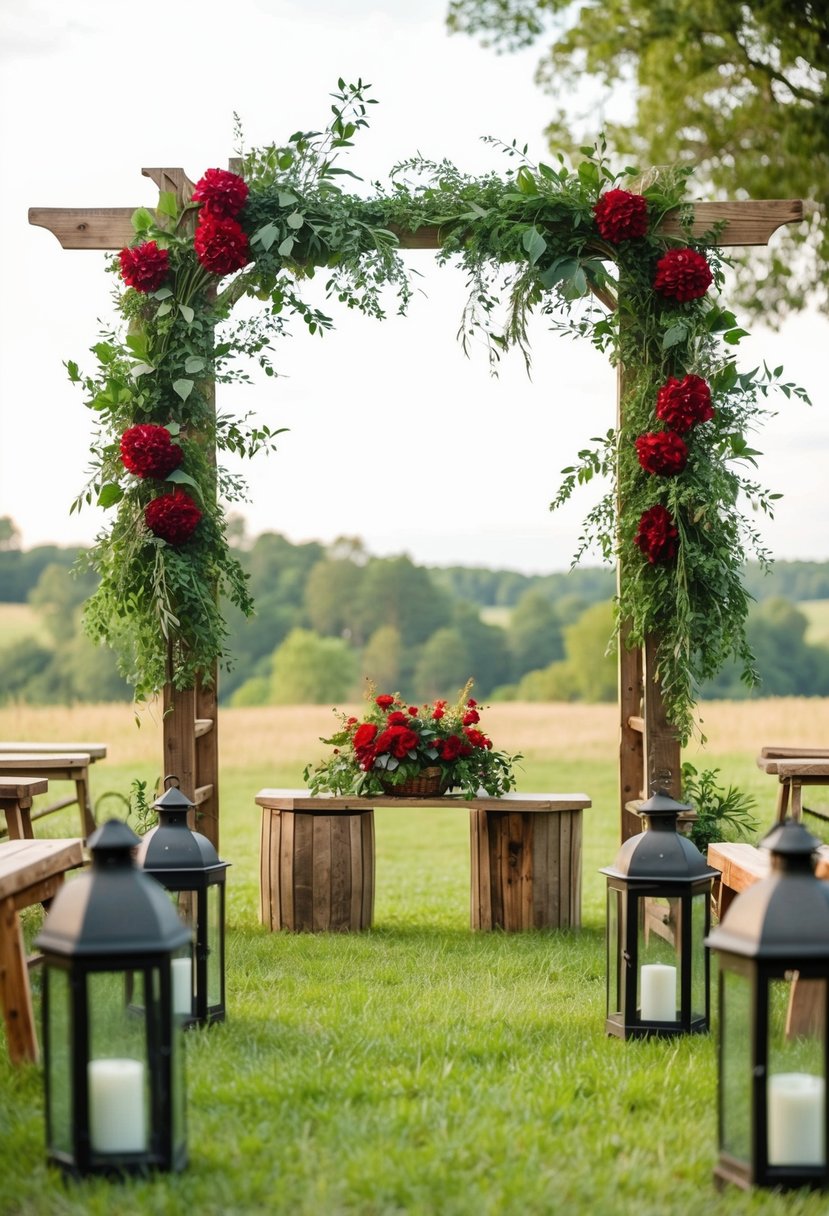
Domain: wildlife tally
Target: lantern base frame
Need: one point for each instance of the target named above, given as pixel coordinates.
(654, 1030)
(731, 1171)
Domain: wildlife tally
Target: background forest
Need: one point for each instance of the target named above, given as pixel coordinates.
(330, 617)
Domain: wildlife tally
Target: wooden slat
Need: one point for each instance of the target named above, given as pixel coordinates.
(355, 847)
(321, 871)
(285, 870)
(637, 723)
(301, 800)
(748, 222)
(576, 830)
(203, 794)
(207, 755)
(565, 870)
(662, 753)
(203, 725)
(340, 886)
(367, 824)
(303, 871)
(23, 863)
(95, 751)
(269, 827)
(179, 745)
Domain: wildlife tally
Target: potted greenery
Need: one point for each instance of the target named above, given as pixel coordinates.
(722, 814)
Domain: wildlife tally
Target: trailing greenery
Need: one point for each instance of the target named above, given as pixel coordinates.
(531, 237)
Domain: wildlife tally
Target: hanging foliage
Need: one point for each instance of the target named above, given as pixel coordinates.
(573, 246)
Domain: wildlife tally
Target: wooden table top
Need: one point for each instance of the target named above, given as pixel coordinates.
(743, 864)
(24, 863)
(301, 800)
(95, 751)
(22, 787)
(22, 762)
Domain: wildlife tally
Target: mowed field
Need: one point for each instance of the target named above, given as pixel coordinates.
(565, 748)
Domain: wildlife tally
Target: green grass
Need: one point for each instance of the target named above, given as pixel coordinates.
(416, 1068)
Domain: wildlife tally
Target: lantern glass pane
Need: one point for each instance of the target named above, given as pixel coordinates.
(615, 921)
(186, 904)
(658, 954)
(699, 905)
(213, 941)
(795, 1096)
(118, 1073)
(736, 1017)
(57, 993)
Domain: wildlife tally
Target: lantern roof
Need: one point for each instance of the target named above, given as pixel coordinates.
(660, 853)
(184, 856)
(786, 914)
(112, 908)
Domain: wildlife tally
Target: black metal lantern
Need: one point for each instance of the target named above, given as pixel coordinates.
(188, 866)
(658, 913)
(773, 951)
(113, 1049)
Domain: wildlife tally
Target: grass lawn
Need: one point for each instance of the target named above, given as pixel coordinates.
(418, 1067)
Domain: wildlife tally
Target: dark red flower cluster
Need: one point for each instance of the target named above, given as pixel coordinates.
(452, 747)
(148, 450)
(662, 453)
(221, 244)
(657, 535)
(221, 193)
(682, 274)
(384, 701)
(172, 517)
(681, 404)
(621, 216)
(144, 266)
(477, 738)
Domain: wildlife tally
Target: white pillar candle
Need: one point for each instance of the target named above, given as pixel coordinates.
(657, 986)
(117, 1123)
(795, 1119)
(182, 972)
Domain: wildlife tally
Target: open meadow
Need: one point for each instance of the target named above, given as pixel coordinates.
(418, 1067)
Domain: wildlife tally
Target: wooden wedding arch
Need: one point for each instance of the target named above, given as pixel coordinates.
(649, 748)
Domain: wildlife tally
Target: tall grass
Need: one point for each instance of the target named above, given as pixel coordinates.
(418, 1067)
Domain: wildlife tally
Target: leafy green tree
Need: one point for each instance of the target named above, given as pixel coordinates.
(787, 663)
(490, 658)
(382, 660)
(332, 597)
(442, 666)
(534, 633)
(23, 670)
(737, 90)
(310, 670)
(394, 591)
(591, 661)
(9, 533)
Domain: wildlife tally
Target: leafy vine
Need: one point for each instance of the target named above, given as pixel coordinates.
(572, 245)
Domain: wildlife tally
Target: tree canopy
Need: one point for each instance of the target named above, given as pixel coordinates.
(738, 90)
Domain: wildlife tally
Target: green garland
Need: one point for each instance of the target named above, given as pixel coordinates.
(530, 238)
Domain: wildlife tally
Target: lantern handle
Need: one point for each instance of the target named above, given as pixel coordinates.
(172, 778)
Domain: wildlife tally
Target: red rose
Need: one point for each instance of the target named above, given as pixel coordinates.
(398, 718)
(477, 738)
(145, 266)
(662, 453)
(471, 717)
(450, 748)
(384, 701)
(221, 244)
(221, 193)
(621, 216)
(413, 711)
(173, 517)
(405, 742)
(148, 451)
(364, 737)
(438, 713)
(682, 274)
(683, 403)
(657, 535)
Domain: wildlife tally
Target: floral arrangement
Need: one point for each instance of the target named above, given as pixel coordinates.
(394, 742)
(574, 245)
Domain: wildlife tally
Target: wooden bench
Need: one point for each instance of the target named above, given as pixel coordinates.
(31, 871)
(55, 766)
(741, 864)
(317, 859)
(794, 767)
(16, 794)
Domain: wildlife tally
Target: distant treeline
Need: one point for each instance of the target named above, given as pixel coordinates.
(330, 617)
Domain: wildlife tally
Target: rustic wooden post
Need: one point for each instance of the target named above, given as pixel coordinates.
(648, 744)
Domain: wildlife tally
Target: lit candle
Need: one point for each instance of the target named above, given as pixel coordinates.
(795, 1119)
(658, 992)
(117, 1123)
(182, 986)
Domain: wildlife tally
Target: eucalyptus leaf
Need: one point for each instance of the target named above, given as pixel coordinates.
(194, 364)
(295, 220)
(183, 388)
(285, 248)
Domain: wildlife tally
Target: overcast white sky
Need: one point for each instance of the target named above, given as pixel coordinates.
(394, 434)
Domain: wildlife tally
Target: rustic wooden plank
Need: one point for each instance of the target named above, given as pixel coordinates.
(24, 863)
(15, 993)
(179, 743)
(284, 905)
(95, 751)
(301, 800)
(662, 752)
(266, 833)
(480, 887)
(203, 725)
(631, 737)
(340, 913)
(206, 743)
(367, 918)
(772, 752)
(526, 870)
(321, 881)
(565, 873)
(510, 860)
(747, 221)
(544, 827)
(576, 826)
(355, 840)
(303, 872)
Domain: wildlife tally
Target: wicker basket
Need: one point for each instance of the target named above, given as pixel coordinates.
(429, 783)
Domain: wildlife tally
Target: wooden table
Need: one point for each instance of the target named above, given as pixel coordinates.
(794, 767)
(16, 794)
(317, 859)
(55, 766)
(31, 871)
(741, 864)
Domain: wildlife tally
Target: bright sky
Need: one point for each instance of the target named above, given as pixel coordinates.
(394, 435)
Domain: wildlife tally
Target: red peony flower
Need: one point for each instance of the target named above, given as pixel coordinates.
(221, 193)
(657, 534)
(221, 244)
(173, 517)
(398, 741)
(413, 710)
(472, 702)
(682, 274)
(471, 717)
(148, 451)
(681, 404)
(621, 216)
(398, 718)
(662, 453)
(450, 748)
(384, 701)
(144, 266)
(477, 738)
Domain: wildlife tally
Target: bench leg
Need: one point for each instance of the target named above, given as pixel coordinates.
(18, 818)
(85, 803)
(15, 994)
